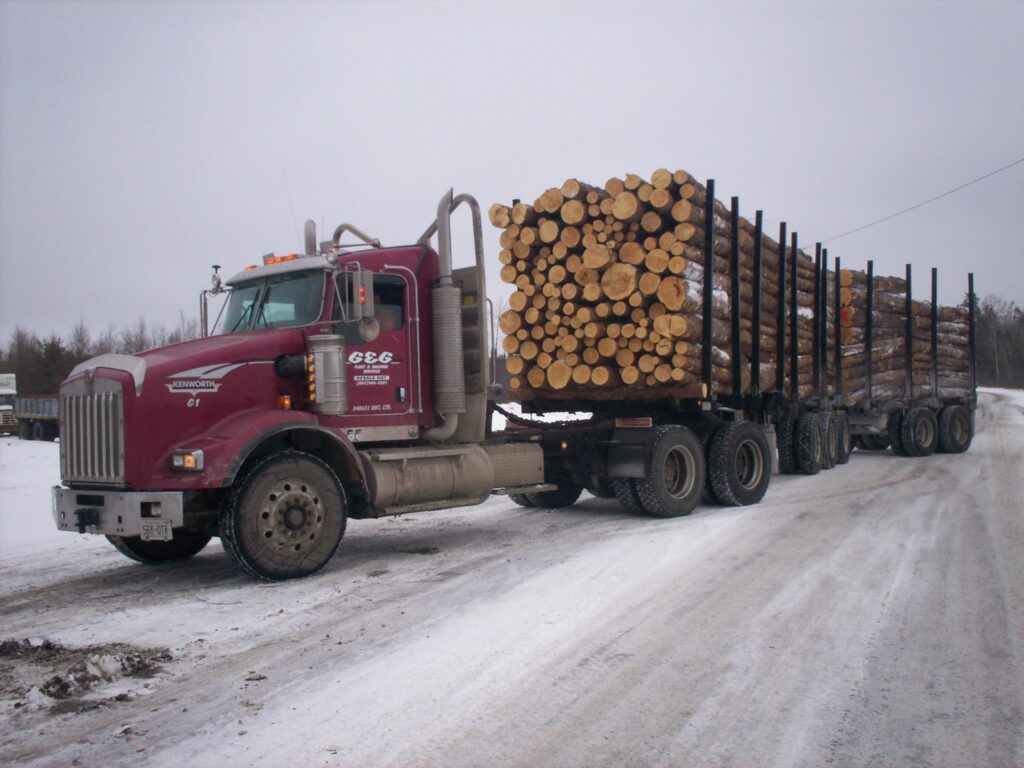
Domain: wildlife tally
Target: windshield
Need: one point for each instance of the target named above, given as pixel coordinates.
(278, 301)
(7, 400)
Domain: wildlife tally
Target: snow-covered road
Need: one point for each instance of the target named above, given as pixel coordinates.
(871, 615)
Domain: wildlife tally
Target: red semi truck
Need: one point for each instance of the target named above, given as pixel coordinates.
(355, 381)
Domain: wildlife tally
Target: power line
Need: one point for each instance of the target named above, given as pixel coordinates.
(1018, 161)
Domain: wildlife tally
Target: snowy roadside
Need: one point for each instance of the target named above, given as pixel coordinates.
(870, 614)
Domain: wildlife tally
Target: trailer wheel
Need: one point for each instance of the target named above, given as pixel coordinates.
(568, 491)
(522, 499)
(25, 430)
(740, 465)
(829, 440)
(808, 444)
(601, 489)
(286, 518)
(844, 438)
(785, 433)
(675, 473)
(955, 429)
(184, 545)
(38, 430)
(896, 433)
(625, 492)
(868, 442)
(920, 432)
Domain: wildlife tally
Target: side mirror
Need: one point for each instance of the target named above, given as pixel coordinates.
(368, 329)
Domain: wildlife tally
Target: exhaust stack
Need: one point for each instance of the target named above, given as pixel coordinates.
(449, 361)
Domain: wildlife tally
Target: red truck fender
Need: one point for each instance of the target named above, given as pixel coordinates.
(288, 430)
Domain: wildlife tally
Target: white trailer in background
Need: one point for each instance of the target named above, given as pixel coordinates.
(8, 389)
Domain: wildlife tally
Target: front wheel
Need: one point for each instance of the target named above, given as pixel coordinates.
(184, 545)
(286, 518)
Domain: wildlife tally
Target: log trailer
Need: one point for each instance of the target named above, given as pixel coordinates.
(356, 381)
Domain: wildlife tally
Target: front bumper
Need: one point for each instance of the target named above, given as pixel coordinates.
(150, 515)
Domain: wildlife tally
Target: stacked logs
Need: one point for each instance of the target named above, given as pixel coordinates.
(608, 297)
(888, 359)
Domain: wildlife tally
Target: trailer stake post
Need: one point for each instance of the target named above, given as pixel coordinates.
(755, 362)
(794, 372)
(935, 334)
(780, 319)
(709, 287)
(908, 342)
(838, 336)
(823, 329)
(734, 305)
(869, 330)
(816, 335)
(972, 344)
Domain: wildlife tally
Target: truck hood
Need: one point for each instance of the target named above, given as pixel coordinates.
(200, 361)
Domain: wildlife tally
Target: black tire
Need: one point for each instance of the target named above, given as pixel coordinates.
(522, 499)
(955, 433)
(808, 444)
(896, 433)
(568, 491)
(844, 438)
(868, 442)
(920, 432)
(286, 518)
(785, 436)
(625, 492)
(601, 489)
(674, 483)
(25, 430)
(184, 545)
(739, 463)
(829, 440)
(38, 430)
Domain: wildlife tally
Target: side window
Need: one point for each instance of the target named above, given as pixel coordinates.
(388, 301)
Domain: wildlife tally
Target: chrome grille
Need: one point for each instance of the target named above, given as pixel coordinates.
(92, 433)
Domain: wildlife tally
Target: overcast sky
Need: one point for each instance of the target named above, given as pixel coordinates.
(141, 142)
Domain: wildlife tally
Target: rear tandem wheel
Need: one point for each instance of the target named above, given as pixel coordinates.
(739, 463)
(675, 473)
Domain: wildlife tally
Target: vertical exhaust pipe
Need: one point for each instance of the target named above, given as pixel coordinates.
(449, 361)
(310, 237)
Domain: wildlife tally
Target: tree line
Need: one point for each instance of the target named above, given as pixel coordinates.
(42, 362)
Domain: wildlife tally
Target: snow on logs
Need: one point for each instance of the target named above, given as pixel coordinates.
(608, 298)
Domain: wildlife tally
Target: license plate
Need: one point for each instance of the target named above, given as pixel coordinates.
(156, 529)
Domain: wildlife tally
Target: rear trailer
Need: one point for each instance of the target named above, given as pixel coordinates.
(664, 448)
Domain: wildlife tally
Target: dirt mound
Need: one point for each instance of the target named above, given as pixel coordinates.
(46, 673)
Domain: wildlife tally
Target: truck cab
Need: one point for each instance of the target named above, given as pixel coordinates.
(348, 381)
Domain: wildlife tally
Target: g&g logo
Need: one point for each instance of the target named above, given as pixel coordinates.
(371, 358)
